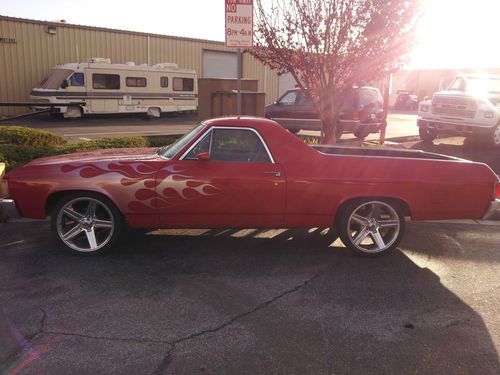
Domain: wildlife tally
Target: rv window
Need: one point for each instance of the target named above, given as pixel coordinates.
(77, 79)
(183, 84)
(136, 82)
(106, 81)
(54, 79)
(164, 81)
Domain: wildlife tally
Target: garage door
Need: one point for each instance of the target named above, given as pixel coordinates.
(286, 82)
(220, 64)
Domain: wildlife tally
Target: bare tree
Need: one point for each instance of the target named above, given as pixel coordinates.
(331, 45)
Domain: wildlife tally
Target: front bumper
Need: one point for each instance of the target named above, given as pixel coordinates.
(453, 127)
(493, 210)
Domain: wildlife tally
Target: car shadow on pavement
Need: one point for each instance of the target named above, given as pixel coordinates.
(231, 301)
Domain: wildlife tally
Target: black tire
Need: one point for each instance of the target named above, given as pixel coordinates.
(294, 130)
(362, 132)
(370, 227)
(426, 134)
(86, 223)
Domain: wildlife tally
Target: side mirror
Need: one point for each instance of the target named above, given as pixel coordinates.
(203, 156)
(64, 84)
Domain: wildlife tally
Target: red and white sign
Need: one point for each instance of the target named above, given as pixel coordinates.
(239, 23)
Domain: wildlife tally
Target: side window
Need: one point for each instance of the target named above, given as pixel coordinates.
(369, 97)
(183, 84)
(164, 81)
(235, 145)
(136, 82)
(302, 99)
(202, 146)
(288, 98)
(105, 81)
(77, 79)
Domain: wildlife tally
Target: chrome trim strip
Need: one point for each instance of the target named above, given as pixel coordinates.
(232, 128)
(493, 208)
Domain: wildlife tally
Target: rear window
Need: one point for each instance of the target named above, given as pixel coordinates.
(183, 84)
(369, 96)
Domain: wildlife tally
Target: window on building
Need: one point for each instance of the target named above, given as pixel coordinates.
(164, 81)
(105, 81)
(183, 84)
(136, 82)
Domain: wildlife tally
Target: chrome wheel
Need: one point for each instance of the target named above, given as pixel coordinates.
(371, 227)
(85, 224)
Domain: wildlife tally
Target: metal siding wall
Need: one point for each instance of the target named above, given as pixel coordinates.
(24, 64)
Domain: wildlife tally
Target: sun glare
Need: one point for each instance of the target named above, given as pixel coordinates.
(458, 34)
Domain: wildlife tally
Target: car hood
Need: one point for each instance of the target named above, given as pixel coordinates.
(119, 154)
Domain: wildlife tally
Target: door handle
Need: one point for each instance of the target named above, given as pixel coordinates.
(276, 174)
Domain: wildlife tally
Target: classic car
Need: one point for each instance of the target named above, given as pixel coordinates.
(245, 172)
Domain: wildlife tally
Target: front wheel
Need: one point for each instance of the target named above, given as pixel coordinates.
(427, 134)
(86, 223)
(371, 227)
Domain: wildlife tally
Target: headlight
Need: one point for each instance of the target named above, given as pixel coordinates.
(488, 114)
(424, 107)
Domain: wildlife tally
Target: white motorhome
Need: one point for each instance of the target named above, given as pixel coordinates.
(101, 87)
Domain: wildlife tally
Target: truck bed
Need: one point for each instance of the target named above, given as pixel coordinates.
(391, 153)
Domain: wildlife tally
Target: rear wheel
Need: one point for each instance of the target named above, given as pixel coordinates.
(427, 134)
(362, 132)
(86, 223)
(371, 227)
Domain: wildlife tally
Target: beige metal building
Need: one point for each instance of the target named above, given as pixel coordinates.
(29, 49)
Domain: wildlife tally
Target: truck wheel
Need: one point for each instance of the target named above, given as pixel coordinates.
(426, 134)
(496, 136)
(294, 130)
(86, 223)
(371, 227)
(362, 132)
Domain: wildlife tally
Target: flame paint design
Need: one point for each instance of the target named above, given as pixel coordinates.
(152, 189)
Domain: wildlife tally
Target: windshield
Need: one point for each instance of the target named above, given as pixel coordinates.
(475, 84)
(54, 79)
(171, 150)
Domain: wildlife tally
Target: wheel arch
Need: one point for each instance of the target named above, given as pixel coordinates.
(400, 202)
(56, 196)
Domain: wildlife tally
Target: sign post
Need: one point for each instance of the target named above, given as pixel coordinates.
(239, 34)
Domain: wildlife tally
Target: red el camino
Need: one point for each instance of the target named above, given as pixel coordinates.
(248, 173)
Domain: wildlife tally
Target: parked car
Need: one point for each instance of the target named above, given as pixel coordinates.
(407, 101)
(361, 114)
(244, 172)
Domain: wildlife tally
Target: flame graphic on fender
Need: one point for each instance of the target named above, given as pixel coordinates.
(170, 186)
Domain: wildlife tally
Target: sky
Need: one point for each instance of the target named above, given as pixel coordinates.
(452, 33)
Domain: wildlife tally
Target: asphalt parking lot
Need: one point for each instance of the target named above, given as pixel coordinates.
(251, 302)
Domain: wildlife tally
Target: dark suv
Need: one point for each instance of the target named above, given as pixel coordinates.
(360, 114)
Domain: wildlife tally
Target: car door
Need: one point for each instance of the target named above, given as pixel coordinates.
(306, 113)
(226, 179)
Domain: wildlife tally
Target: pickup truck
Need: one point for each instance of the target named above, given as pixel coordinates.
(470, 106)
(245, 172)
